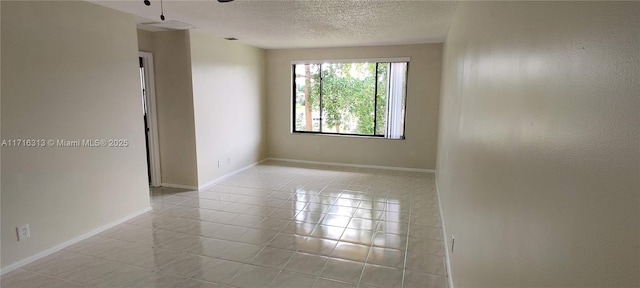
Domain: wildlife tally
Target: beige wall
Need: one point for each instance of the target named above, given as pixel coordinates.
(0, 149)
(174, 103)
(69, 71)
(418, 150)
(229, 105)
(538, 160)
(202, 85)
(145, 41)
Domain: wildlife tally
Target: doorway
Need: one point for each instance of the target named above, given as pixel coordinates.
(149, 117)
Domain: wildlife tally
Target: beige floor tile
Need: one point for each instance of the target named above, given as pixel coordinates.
(95, 246)
(363, 224)
(306, 263)
(391, 227)
(240, 252)
(343, 270)
(309, 217)
(193, 283)
(209, 247)
(230, 232)
(357, 236)
(298, 228)
(198, 214)
(328, 232)
(129, 253)
(160, 280)
(218, 271)
(257, 236)
(339, 212)
(274, 224)
(386, 257)
(283, 213)
(424, 231)
(157, 259)
(272, 257)
(27, 279)
(59, 263)
(125, 276)
(205, 229)
(318, 246)
(182, 242)
(381, 276)
(223, 217)
(394, 241)
(426, 245)
(286, 241)
(251, 276)
(425, 263)
(328, 283)
(350, 251)
(419, 280)
(150, 236)
(89, 271)
(177, 210)
(185, 265)
(288, 279)
(247, 220)
(212, 204)
(275, 215)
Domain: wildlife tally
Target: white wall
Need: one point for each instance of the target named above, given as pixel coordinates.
(69, 71)
(229, 105)
(418, 150)
(539, 159)
(174, 104)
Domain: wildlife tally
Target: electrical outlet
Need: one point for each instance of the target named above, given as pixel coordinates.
(228, 159)
(318, 150)
(219, 163)
(23, 232)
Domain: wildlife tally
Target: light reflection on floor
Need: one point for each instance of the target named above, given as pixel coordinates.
(274, 225)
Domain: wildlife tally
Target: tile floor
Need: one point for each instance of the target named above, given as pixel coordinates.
(274, 225)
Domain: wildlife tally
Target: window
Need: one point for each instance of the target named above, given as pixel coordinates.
(364, 98)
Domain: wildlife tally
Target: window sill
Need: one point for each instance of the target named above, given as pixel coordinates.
(345, 135)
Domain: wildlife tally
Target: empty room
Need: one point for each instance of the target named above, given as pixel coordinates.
(365, 144)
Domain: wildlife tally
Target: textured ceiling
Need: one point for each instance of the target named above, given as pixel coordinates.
(305, 24)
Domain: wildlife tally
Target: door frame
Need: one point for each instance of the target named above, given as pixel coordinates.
(152, 119)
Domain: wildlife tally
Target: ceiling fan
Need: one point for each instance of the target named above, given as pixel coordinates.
(148, 3)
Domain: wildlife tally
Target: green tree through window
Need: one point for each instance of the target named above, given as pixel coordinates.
(362, 98)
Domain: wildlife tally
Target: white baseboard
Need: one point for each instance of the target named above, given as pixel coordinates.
(447, 258)
(179, 186)
(70, 242)
(217, 180)
(353, 165)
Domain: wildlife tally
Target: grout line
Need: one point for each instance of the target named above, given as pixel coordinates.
(366, 260)
(286, 203)
(406, 246)
(336, 165)
(283, 266)
(306, 237)
(338, 240)
(73, 241)
(54, 277)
